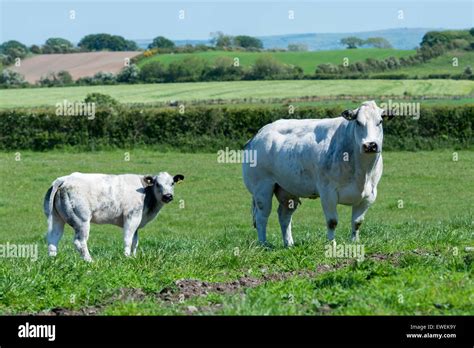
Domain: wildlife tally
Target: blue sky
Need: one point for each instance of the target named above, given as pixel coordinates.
(34, 21)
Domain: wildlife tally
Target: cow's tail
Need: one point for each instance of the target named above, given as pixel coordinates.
(254, 213)
(54, 189)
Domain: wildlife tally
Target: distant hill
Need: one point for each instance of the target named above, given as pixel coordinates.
(404, 38)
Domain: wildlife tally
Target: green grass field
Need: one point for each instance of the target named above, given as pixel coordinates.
(306, 60)
(150, 93)
(415, 261)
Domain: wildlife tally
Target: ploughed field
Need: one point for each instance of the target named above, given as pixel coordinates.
(77, 64)
(200, 255)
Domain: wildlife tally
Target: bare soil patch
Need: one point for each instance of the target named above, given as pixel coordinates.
(184, 289)
(77, 64)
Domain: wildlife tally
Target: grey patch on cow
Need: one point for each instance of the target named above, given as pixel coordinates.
(150, 203)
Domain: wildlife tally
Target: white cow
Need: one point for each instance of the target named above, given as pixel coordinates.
(129, 201)
(338, 160)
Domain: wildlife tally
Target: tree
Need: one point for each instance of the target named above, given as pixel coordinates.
(223, 69)
(35, 49)
(468, 71)
(161, 42)
(378, 42)
(220, 40)
(352, 42)
(188, 69)
(61, 78)
(268, 67)
(101, 99)
(57, 45)
(13, 49)
(153, 72)
(131, 45)
(11, 78)
(129, 74)
(245, 41)
(433, 38)
(471, 31)
(102, 42)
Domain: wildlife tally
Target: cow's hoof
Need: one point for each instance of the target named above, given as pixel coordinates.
(266, 245)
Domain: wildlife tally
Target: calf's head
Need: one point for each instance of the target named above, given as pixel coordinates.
(163, 185)
(368, 131)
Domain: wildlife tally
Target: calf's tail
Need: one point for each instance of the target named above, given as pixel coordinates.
(50, 203)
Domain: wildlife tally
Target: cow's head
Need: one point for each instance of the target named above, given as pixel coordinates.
(368, 131)
(163, 185)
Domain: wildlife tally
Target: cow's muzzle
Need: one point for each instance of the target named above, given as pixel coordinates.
(167, 198)
(371, 147)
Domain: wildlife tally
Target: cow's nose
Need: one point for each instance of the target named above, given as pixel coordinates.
(167, 198)
(371, 147)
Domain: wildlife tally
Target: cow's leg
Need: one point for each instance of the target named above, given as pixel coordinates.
(263, 207)
(54, 235)
(329, 203)
(287, 207)
(130, 228)
(358, 213)
(80, 240)
(135, 243)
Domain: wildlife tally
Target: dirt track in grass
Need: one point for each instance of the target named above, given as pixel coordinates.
(184, 289)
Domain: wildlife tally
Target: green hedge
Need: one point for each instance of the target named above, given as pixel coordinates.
(210, 129)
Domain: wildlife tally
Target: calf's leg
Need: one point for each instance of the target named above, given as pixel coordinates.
(135, 243)
(130, 229)
(80, 240)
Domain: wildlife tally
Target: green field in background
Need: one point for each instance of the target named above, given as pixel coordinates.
(306, 60)
(149, 93)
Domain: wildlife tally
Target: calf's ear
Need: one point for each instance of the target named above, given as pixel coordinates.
(349, 114)
(148, 180)
(178, 178)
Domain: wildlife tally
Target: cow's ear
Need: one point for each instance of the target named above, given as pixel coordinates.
(178, 178)
(349, 115)
(148, 180)
(387, 115)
